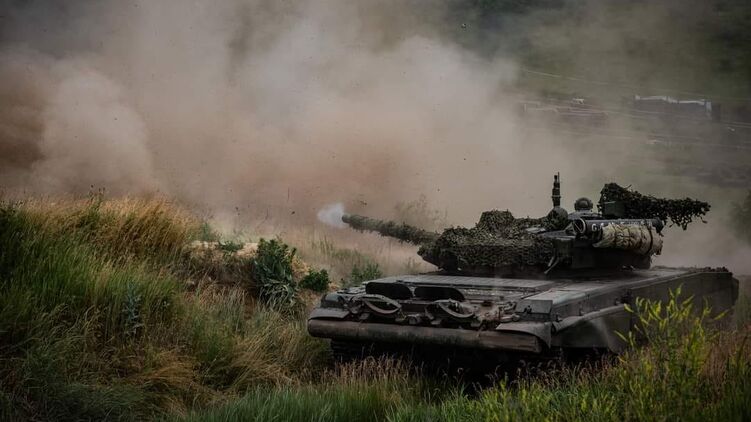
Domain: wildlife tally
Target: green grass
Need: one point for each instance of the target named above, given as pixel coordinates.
(689, 372)
(95, 330)
(342, 260)
(365, 272)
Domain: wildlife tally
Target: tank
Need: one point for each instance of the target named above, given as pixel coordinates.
(521, 288)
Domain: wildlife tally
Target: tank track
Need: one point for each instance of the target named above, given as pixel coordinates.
(448, 360)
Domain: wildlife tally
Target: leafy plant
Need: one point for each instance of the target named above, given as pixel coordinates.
(131, 309)
(671, 368)
(318, 281)
(366, 272)
(272, 271)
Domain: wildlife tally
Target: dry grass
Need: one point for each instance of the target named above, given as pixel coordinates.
(123, 228)
(85, 296)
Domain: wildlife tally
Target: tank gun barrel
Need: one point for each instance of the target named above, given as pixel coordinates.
(401, 231)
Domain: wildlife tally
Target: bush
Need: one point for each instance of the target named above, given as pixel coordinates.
(369, 271)
(318, 281)
(272, 271)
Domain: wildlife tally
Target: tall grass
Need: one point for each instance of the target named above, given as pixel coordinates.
(689, 372)
(348, 264)
(97, 323)
(147, 229)
(368, 390)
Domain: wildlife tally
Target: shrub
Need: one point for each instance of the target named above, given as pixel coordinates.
(318, 281)
(366, 272)
(272, 271)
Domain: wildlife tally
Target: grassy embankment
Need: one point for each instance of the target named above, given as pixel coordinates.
(104, 316)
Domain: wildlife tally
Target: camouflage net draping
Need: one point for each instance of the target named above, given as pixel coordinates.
(680, 212)
(500, 241)
(497, 240)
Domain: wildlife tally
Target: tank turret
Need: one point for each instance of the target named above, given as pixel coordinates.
(625, 232)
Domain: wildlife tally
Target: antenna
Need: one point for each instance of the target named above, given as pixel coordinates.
(556, 190)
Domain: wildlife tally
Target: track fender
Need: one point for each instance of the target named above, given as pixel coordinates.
(541, 330)
(596, 329)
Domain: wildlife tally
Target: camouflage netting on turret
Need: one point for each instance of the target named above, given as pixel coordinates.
(498, 240)
(680, 212)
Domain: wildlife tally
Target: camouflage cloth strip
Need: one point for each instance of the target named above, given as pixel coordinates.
(643, 240)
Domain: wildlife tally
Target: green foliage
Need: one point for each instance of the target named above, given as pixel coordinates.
(318, 281)
(85, 337)
(230, 246)
(671, 368)
(742, 309)
(670, 379)
(272, 271)
(366, 272)
(741, 218)
(366, 403)
(63, 313)
(688, 372)
(40, 273)
(368, 390)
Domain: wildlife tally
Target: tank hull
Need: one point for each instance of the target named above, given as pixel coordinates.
(507, 316)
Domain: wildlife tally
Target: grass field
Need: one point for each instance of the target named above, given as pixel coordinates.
(104, 317)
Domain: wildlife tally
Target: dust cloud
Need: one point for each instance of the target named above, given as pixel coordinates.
(257, 108)
(258, 105)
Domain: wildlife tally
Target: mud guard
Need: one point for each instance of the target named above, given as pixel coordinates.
(594, 330)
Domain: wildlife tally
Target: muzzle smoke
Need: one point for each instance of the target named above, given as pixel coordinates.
(332, 215)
